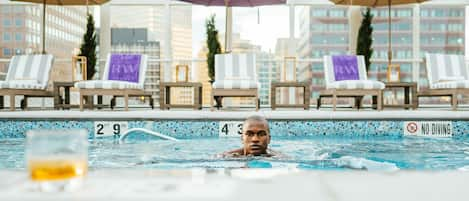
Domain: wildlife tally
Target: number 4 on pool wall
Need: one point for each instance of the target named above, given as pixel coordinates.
(230, 128)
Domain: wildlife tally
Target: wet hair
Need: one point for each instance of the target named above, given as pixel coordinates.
(258, 118)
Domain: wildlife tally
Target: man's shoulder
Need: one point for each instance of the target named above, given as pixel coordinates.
(233, 153)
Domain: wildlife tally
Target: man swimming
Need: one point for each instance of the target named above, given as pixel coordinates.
(255, 138)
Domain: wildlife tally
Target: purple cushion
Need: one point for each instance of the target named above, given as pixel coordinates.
(124, 67)
(345, 67)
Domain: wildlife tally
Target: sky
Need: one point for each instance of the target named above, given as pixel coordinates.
(261, 25)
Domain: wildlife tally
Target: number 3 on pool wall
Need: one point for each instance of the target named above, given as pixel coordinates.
(110, 128)
(230, 128)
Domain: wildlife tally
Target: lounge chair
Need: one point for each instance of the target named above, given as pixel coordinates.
(28, 75)
(124, 76)
(235, 76)
(345, 76)
(447, 75)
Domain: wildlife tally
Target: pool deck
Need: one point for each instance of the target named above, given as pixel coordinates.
(249, 184)
(425, 114)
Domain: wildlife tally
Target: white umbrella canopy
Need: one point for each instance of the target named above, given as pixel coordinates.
(378, 3)
(59, 3)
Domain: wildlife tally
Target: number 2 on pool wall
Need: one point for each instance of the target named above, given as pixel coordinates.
(100, 129)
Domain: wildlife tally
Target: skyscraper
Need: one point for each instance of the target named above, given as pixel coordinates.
(20, 29)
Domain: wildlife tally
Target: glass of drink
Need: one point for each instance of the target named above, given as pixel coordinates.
(57, 160)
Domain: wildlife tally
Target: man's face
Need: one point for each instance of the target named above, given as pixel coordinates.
(256, 138)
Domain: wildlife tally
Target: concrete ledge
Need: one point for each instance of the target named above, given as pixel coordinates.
(249, 184)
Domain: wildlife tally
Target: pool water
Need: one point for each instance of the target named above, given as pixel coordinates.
(320, 153)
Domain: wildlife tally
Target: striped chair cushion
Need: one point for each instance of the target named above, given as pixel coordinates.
(236, 84)
(18, 84)
(440, 67)
(356, 84)
(235, 71)
(113, 84)
(107, 84)
(451, 85)
(29, 67)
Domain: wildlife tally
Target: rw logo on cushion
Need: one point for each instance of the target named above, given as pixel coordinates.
(345, 67)
(124, 67)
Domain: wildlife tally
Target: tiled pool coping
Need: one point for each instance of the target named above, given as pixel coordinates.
(194, 124)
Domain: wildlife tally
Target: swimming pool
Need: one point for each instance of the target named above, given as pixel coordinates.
(307, 153)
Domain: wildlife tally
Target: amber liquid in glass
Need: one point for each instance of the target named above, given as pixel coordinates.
(59, 169)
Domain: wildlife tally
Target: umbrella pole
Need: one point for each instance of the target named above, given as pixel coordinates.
(389, 33)
(43, 26)
(226, 26)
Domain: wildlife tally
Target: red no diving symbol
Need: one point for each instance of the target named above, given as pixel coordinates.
(412, 127)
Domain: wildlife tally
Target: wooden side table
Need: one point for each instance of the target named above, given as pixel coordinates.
(306, 94)
(64, 103)
(165, 94)
(410, 92)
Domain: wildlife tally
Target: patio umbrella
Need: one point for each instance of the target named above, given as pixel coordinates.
(234, 3)
(377, 3)
(60, 3)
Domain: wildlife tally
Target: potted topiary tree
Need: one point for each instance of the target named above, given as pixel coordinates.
(214, 47)
(365, 38)
(88, 49)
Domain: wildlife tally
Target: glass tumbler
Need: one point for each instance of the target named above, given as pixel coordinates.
(57, 160)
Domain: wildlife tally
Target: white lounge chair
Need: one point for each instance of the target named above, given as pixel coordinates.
(28, 75)
(447, 75)
(235, 76)
(345, 76)
(124, 75)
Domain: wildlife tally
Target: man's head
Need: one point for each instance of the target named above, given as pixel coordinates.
(256, 135)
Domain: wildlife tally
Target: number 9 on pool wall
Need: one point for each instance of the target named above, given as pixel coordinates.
(110, 128)
(230, 128)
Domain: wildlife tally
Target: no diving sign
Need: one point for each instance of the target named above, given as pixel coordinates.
(428, 128)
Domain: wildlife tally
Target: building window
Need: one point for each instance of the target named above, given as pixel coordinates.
(18, 36)
(6, 37)
(337, 13)
(6, 52)
(6, 22)
(319, 12)
(18, 22)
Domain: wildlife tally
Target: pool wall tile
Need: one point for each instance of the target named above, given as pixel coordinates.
(210, 128)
